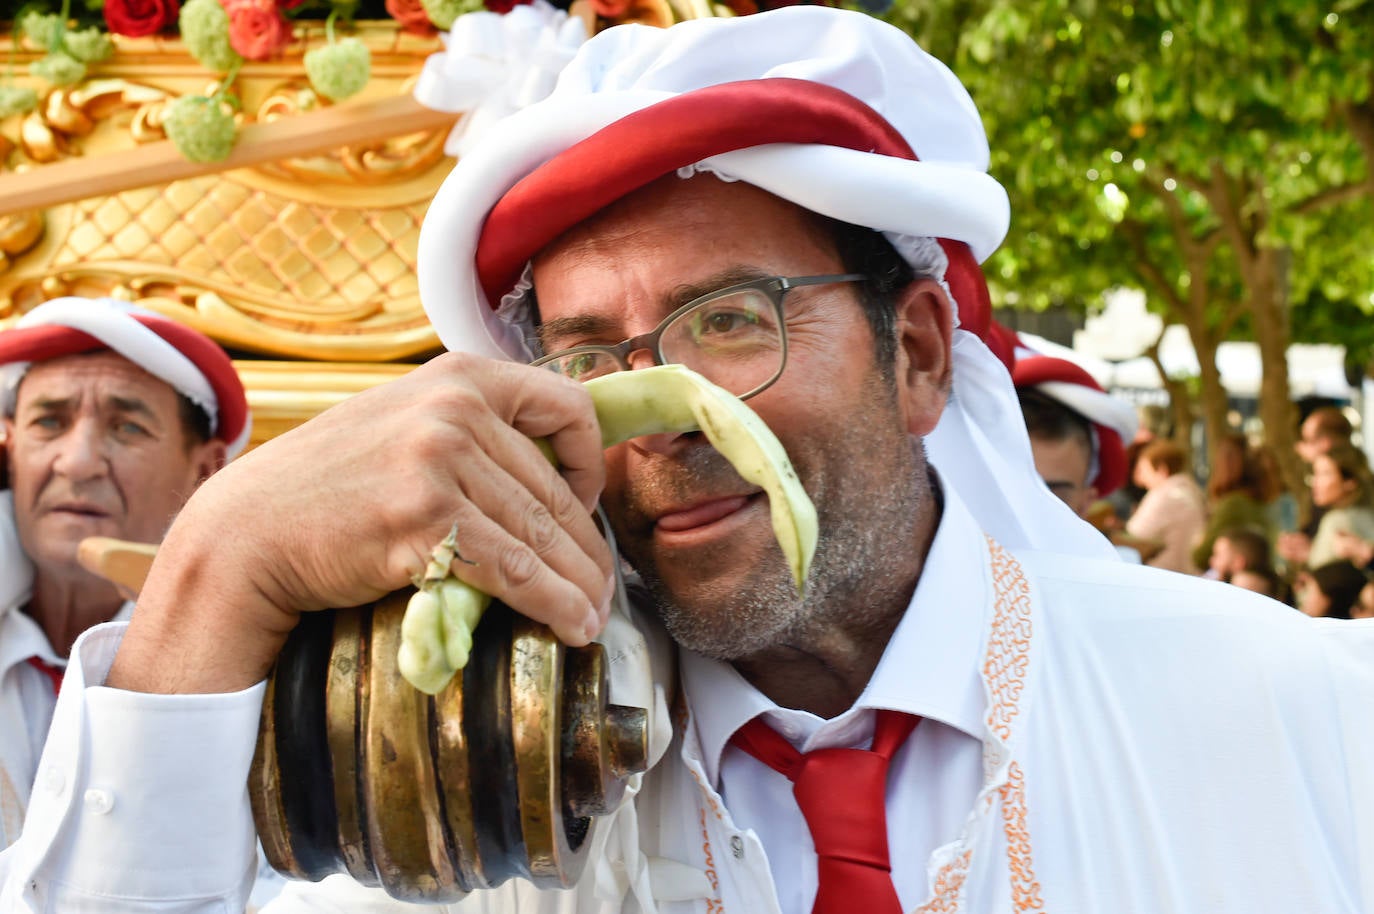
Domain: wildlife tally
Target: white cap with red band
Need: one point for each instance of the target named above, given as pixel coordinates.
(900, 101)
(190, 363)
(1113, 420)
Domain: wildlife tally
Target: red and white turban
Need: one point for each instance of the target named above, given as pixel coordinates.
(1113, 420)
(832, 110)
(190, 362)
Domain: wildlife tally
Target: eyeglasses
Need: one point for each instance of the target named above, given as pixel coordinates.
(735, 337)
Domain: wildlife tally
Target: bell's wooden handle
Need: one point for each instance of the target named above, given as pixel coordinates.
(120, 562)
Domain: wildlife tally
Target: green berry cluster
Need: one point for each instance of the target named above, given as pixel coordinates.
(339, 69)
(204, 27)
(68, 52)
(202, 128)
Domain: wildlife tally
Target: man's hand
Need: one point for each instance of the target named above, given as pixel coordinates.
(1349, 546)
(1294, 548)
(347, 508)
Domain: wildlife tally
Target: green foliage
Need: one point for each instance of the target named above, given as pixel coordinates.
(1107, 123)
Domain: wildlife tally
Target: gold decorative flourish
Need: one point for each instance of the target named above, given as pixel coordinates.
(385, 161)
(54, 130)
(18, 233)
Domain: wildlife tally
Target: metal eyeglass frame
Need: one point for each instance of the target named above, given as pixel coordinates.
(775, 288)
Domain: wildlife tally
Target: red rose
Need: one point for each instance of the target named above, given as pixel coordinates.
(411, 15)
(257, 29)
(137, 18)
(503, 6)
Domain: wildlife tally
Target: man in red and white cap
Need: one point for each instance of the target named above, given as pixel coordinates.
(1077, 434)
(1077, 430)
(949, 719)
(112, 417)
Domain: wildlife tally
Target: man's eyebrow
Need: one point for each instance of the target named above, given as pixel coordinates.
(131, 405)
(599, 325)
(50, 404)
(577, 325)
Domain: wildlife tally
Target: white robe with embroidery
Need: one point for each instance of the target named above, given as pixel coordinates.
(1153, 743)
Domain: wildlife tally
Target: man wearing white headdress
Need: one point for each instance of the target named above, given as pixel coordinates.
(1051, 729)
(112, 417)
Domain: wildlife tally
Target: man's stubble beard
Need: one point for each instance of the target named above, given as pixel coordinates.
(869, 497)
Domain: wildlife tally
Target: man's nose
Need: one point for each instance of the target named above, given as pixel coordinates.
(641, 358)
(657, 444)
(81, 452)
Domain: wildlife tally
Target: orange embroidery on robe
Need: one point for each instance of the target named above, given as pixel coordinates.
(1025, 890)
(713, 905)
(1004, 672)
(1008, 657)
(948, 882)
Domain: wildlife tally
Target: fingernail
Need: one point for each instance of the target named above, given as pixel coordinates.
(592, 624)
(608, 600)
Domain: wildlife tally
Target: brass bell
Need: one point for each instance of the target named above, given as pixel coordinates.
(431, 797)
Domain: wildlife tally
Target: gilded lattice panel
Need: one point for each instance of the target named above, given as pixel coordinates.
(310, 258)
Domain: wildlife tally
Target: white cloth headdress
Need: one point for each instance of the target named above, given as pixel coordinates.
(189, 362)
(980, 445)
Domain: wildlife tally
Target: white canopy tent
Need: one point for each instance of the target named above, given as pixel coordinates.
(1111, 344)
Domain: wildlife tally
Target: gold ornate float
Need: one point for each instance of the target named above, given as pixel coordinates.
(297, 253)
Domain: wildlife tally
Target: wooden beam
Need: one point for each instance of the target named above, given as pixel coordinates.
(312, 133)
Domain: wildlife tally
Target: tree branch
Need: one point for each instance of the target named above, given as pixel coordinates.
(1148, 269)
(1332, 196)
(1229, 316)
(1218, 193)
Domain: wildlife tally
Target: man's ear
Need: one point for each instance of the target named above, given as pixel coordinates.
(209, 458)
(7, 442)
(924, 327)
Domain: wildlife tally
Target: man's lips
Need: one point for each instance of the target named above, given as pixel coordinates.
(701, 514)
(79, 509)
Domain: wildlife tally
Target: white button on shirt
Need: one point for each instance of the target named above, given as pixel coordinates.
(930, 669)
(54, 780)
(99, 802)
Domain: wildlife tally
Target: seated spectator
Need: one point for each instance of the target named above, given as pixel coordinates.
(1240, 492)
(1360, 551)
(1324, 428)
(1238, 549)
(1330, 590)
(1364, 605)
(1173, 512)
(1264, 581)
(1343, 487)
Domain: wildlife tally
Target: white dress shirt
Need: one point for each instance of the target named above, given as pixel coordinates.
(1147, 743)
(929, 669)
(27, 697)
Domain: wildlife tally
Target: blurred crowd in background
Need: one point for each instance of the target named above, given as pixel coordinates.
(1239, 525)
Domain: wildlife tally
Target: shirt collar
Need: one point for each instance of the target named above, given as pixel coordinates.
(929, 668)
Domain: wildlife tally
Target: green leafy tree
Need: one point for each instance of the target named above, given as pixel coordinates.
(1214, 154)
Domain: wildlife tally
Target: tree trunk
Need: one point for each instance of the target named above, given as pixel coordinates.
(1269, 310)
(1213, 396)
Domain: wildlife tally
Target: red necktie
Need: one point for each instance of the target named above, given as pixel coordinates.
(841, 792)
(53, 672)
